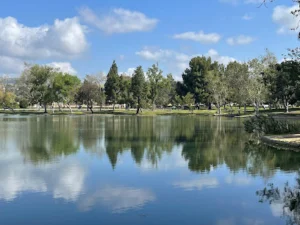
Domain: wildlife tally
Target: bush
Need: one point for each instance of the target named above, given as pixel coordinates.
(264, 124)
(23, 104)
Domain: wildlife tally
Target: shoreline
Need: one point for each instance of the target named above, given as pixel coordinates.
(283, 142)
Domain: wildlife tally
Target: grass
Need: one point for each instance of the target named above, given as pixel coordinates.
(147, 112)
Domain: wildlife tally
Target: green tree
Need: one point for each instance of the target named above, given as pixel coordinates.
(112, 85)
(155, 77)
(125, 91)
(65, 87)
(188, 100)
(256, 89)
(39, 84)
(139, 88)
(287, 82)
(217, 86)
(98, 79)
(87, 94)
(237, 77)
(194, 78)
(166, 91)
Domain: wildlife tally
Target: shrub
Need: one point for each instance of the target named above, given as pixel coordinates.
(23, 104)
(265, 124)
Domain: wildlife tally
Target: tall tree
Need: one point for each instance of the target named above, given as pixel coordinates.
(87, 94)
(112, 85)
(39, 80)
(194, 78)
(125, 90)
(217, 86)
(155, 77)
(256, 88)
(237, 77)
(99, 79)
(139, 88)
(65, 87)
(287, 82)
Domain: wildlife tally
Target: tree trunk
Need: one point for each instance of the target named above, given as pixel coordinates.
(153, 106)
(45, 108)
(239, 109)
(100, 107)
(70, 108)
(209, 106)
(137, 110)
(256, 109)
(219, 109)
(245, 108)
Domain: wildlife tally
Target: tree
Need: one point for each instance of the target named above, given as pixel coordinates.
(7, 100)
(155, 77)
(98, 79)
(39, 84)
(217, 86)
(194, 78)
(125, 91)
(188, 100)
(237, 77)
(166, 91)
(139, 88)
(112, 85)
(256, 88)
(87, 94)
(65, 87)
(287, 81)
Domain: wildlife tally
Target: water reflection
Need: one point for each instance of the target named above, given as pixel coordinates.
(123, 164)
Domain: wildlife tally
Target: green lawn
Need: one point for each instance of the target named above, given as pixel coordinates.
(148, 112)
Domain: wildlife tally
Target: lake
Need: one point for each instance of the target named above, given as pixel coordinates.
(163, 170)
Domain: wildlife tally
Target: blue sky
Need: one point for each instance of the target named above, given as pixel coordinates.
(84, 37)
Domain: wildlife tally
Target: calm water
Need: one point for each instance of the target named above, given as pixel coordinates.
(128, 170)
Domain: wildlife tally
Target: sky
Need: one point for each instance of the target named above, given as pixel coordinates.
(84, 37)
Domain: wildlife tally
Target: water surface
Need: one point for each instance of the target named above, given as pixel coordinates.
(137, 170)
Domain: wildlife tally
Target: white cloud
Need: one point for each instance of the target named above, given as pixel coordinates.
(220, 59)
(118, 20)
(64, 67)
(177, 62)
(11, 65)
(118, 199)
(200, 37)
(238, 180)
(282, 16)
(65, 38)
(247, 17)
(236, 2)
(240, 40)
(198, 184)
(129, 71)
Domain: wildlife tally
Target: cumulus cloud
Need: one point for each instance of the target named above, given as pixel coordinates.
(247, 17)
(64, 67)
(200, 36)
(118, 20)
(117, 199)
(65, 38)
(10, 65)
(129, 71)
(284, 19)
(240, 40)
(20, 43)
(198, 184)
(177, 62)
(236, 2)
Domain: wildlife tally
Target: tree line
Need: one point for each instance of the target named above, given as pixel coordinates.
(260, 81)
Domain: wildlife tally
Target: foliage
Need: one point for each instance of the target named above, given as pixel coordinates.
(23, 103)
(139, 88)
(265, 124)
(155, 77)
(87, 94)
(112, 84)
